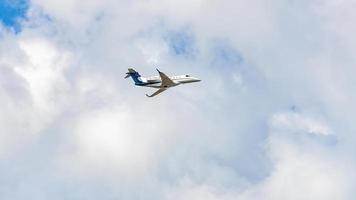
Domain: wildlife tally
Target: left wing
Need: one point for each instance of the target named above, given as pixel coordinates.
(166, 81)
(157, 92)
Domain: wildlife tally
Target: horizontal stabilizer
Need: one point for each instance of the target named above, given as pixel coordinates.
(136, 77)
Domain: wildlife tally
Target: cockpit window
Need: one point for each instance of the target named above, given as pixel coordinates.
(187, 75)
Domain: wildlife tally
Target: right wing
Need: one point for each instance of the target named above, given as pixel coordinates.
(157, 92)
(166, 81)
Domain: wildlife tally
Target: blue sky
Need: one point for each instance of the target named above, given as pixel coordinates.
(181, 43)
(273, 117)
(13, 11)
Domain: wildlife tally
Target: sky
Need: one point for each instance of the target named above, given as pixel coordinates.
(273, 117)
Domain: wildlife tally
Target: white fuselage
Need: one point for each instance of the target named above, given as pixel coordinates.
(155, 81)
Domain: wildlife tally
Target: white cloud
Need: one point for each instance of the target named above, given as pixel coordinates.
(33, 88)
(61, 85)
(44, 73)
(304, 175)
(110, 141)
(295, 122)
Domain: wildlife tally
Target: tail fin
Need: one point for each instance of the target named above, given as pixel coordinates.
(136, 77)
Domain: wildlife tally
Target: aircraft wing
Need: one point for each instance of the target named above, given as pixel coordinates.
(157, 92)
(166, 81)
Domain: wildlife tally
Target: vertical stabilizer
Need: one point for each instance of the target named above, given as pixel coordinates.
(136, 77)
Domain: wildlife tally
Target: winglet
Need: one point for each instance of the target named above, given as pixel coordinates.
(157, 92)
(158, 70)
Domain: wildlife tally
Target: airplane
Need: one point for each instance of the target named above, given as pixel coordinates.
(162, 82)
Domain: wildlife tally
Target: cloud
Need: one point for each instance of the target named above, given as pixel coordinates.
(272, 118)
(303, 170)
(297, 123)
(304, 176)
(111, 141)
(32, 88)
(181, 44)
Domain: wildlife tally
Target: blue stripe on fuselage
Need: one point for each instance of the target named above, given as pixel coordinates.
(146, 84)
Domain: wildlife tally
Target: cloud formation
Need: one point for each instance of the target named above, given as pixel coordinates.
(272, 118)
